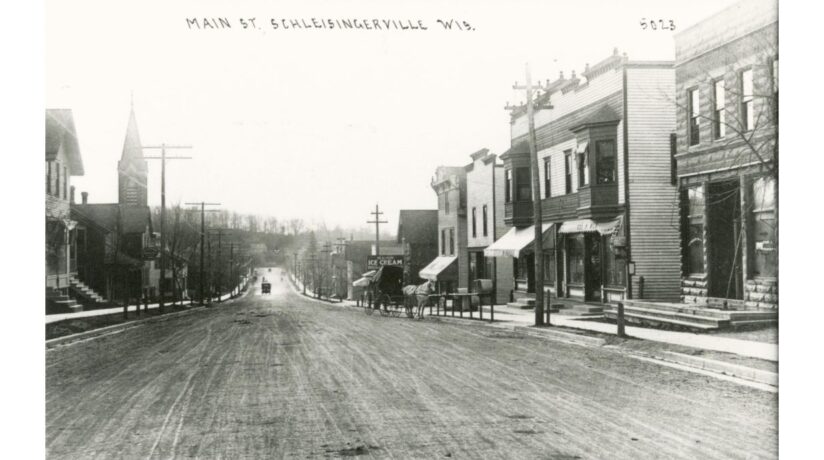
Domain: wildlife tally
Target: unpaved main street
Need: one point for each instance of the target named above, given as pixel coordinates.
(279, 376)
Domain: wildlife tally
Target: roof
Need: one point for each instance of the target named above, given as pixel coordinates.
(60, 132)
(133, 219)
(132, 148)
(418, 226)
(604, 114)
(521, 148)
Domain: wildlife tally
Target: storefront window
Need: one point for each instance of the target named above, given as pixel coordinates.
(614, 268)
(549, 267)
(763, 248)
(575, 256)
(695, 232)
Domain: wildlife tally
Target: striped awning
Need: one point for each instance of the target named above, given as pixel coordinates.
(437, 267)
(514, 241)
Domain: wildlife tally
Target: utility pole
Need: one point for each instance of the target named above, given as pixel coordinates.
(219, 232)
(203, 205)
(536, 197)
(377, 213)
(163, 159)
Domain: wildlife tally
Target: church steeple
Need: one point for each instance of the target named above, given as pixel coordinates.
(132, 168)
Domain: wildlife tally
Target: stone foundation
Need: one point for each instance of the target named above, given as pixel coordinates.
(761, 293)
(693, 290)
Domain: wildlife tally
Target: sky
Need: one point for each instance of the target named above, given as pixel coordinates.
(320, 124)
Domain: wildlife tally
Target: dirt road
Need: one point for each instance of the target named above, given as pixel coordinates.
(279, 376)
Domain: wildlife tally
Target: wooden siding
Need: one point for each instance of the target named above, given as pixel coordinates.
(597, 89)
(479, 192)
(654, 212)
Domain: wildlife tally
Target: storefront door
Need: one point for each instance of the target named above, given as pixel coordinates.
(593, 267)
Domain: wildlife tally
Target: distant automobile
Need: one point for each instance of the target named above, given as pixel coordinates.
(265, 288)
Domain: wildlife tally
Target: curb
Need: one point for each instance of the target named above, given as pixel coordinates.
(711, 365)
(94, 333)
(552, 334)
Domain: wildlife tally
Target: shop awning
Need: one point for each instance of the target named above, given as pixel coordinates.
(364, 280)
(582, 147)
(514, 241)
(589, 225)
(438, 267)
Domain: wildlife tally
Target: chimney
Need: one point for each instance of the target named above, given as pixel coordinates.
(561, 75)
(84, 196)
(71, 194)
(573, 75)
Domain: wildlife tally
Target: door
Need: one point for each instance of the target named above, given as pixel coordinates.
(593, 267)
(530, 272)
(724, 240)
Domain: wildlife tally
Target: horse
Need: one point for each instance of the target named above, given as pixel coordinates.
(420, 294)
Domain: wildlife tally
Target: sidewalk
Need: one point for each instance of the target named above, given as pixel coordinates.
(524, 317)
(108, 311)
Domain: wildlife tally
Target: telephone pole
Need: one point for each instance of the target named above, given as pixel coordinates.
(219, 232)
(203, 205)
(163, 159)
(536, 196)
(377, 213)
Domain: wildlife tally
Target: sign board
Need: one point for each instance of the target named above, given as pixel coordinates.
(375, 262)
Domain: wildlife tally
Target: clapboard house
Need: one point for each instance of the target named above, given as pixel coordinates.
(607, 190)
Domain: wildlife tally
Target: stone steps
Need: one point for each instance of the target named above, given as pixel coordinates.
(669, 316)
(650, 320)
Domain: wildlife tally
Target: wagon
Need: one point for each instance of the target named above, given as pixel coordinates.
(386, 289)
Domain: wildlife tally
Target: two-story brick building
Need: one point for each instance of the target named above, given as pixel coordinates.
(485, 222)
(63, 160)
(450, 269)
(727, 129)
(607, 187)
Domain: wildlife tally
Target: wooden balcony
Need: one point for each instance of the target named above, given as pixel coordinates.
(590, 202)
(598, 200)
(518, 213)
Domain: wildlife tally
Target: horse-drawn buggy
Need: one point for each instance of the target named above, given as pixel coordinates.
(391, 298)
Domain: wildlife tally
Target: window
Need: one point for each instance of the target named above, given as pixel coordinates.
(485, 220)
(763, 227)
(524, 188)
(57, 178)
(614, 268)
(695, 232)
(451, 241)
(65, 183)
(719, 129)
(443, 241)
(583, 169)
(575, 256)
(48, 177)
(508, 185)
(547, 175)
(446, 202)
(694, 107)
(568, 171)
(605, 162)
(746, 100)
(549, 267)
(474, 223)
